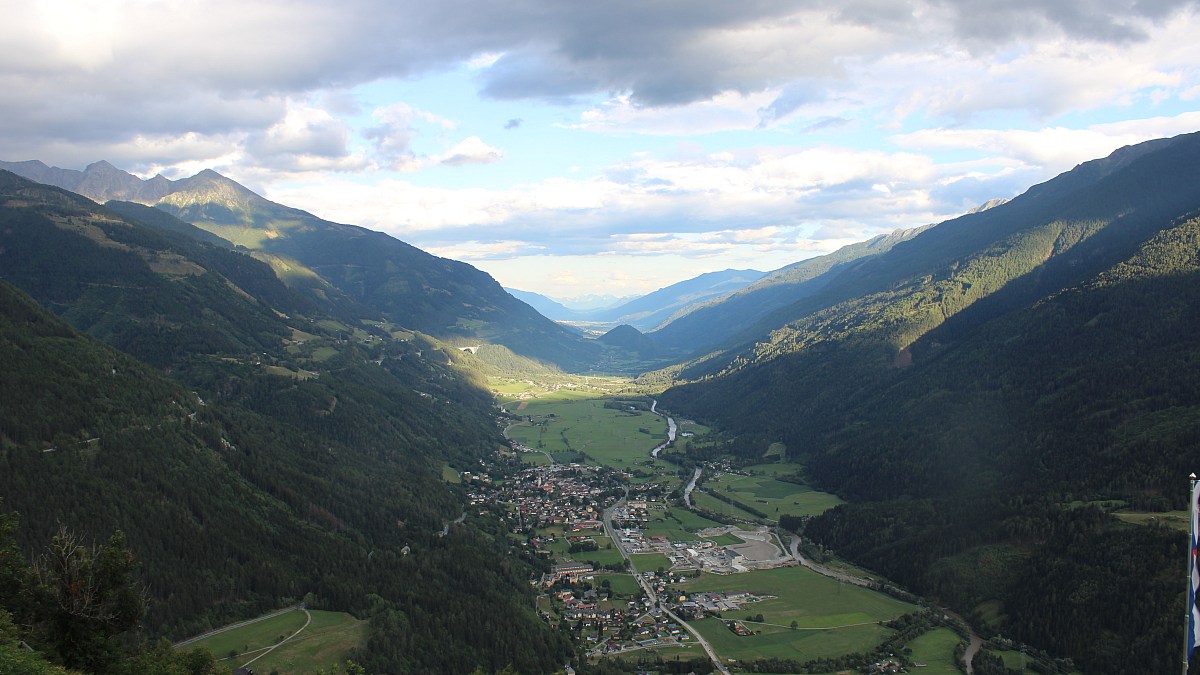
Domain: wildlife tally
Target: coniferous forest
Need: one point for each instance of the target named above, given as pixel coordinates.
(240, 475)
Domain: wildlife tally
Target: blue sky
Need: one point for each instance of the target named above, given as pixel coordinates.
(576, 148)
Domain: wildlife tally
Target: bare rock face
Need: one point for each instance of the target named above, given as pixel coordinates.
(99, 182)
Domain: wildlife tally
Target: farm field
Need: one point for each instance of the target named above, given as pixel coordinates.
(668, 653)
(936, 649)
(1177, 520)
(649, 562)
(609, 436)
(783, 642)
(254, 636)
(326, 642)
(850, 613)
(678, 524)
(601, 557)
(620, 584)
(708, 502)
(773, 497)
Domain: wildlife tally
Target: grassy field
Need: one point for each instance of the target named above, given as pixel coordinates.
(667, 653)
(773, 497)
(537, 458)
(1176, 520)
(786, 643)
(725, 540)
(936, 648)
(710, 503)
(849, 612)
(677, 524)
(254, 636)
(649, 562)
(568, 423)
(1013, 660)
(327, 641)
(620, 584)
(604, 556)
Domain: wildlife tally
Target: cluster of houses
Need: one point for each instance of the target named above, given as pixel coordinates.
(567, 495)
(653, 629)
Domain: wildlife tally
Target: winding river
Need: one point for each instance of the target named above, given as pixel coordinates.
(671, 429)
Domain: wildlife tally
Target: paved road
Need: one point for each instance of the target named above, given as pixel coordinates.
(821, 569)
(649, 590)
(307, 621)
(232, 626)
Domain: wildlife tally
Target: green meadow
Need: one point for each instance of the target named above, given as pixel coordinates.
(327, 641)
(649, 562)
(1177, 520)
(602, 556)
(936, 650)
(620, 584)
(571, 423)
(708, 502)
(832, 618)
(677, 524)
(770, 495)
(783, 642)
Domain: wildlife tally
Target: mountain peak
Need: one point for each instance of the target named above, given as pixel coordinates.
(102, 166)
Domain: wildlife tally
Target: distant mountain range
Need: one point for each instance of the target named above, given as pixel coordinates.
(649, 311)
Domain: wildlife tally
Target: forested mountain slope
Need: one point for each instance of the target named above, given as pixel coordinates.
(652, 309)
(971, 388)
(291, 454)
(444, 298)
(712, 323)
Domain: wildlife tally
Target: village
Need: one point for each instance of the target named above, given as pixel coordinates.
(555, 515)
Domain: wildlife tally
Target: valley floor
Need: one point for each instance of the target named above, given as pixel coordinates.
(640, 577)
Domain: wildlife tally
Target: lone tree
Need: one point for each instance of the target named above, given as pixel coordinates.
(87, 596)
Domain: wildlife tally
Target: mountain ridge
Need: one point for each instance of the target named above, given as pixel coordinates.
(444, 298)
(981, 392)
(288, 456)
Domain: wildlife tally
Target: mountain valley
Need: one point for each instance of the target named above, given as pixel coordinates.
(276, 409)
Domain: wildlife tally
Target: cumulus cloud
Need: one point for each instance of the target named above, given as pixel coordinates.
(1053, 149)
(697, 207)
(396, 126)
(306, 138)
(471, 150)
(274, 87)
